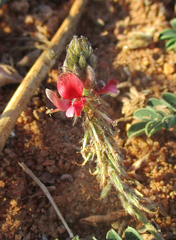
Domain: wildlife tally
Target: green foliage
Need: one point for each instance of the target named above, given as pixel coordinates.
(157, 115)
(170, 35)
(130, 234)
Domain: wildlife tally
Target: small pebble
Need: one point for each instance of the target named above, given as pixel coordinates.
(38, 115)
(168, 69)
(61, 200)
(48, 162)
(67, 176)
(44, 153)
(61, 229)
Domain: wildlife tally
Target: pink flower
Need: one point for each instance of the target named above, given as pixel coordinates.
(110, 87)
(70, 88)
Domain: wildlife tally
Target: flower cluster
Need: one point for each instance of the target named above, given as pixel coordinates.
(71, 90)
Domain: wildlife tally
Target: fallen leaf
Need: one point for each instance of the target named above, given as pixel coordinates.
(93, 220)
(9, 75)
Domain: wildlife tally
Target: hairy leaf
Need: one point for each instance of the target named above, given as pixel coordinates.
(132, 234)
(112, 235)
(167, 34)
(152, 127)
(173, 23)
(155, 102)
(168, 122)
(147, 114)
(170, 44)
(136, 129)
(170, 99)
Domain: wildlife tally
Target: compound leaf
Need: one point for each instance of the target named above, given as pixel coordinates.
(155, 102)
(136, 129)
(167, 34)
(170, 99)
(152, 127)
(132, 234)
(75, 238)
(147, 114)
(112, 235)
(168, 122)
(170, 44)
(173, 23)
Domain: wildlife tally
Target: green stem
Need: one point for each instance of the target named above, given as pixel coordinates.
(104, 116)
(141, 216)
(94, 132)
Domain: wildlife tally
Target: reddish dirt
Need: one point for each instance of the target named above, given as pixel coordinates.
(50, 146)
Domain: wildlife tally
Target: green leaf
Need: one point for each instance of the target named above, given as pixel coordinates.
(167, 34)
(136, 129)
(75, 238)
(93, 238)
(112, 235)
(132, 234)
(155, 102)
(105, 191)
(152, 127)
(168, 122)
(147, 114)
(173, 23)
(170, 44)
(170, 98)
(162, 113)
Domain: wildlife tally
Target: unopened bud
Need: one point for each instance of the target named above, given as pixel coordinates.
(92, 61)
(69, 64)
(90, 77)
(72, 56)
(79, 56)
(77, 71)
(77, 47)
(82, 62)
(85, 47)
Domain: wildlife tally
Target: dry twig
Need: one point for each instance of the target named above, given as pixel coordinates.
(39, 70)
(46, 192)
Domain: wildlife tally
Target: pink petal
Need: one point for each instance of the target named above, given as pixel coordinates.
(70, 111)
(78, 105)
(110, 87)
(69, 86)
(61, 104)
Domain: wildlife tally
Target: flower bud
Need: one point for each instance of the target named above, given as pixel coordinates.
(90, 78)
(92, 61)
(74, 58)
(79, 56)
(82, 62)
(77, 71)
(85, 47)
(77, 47)
(69, 64)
